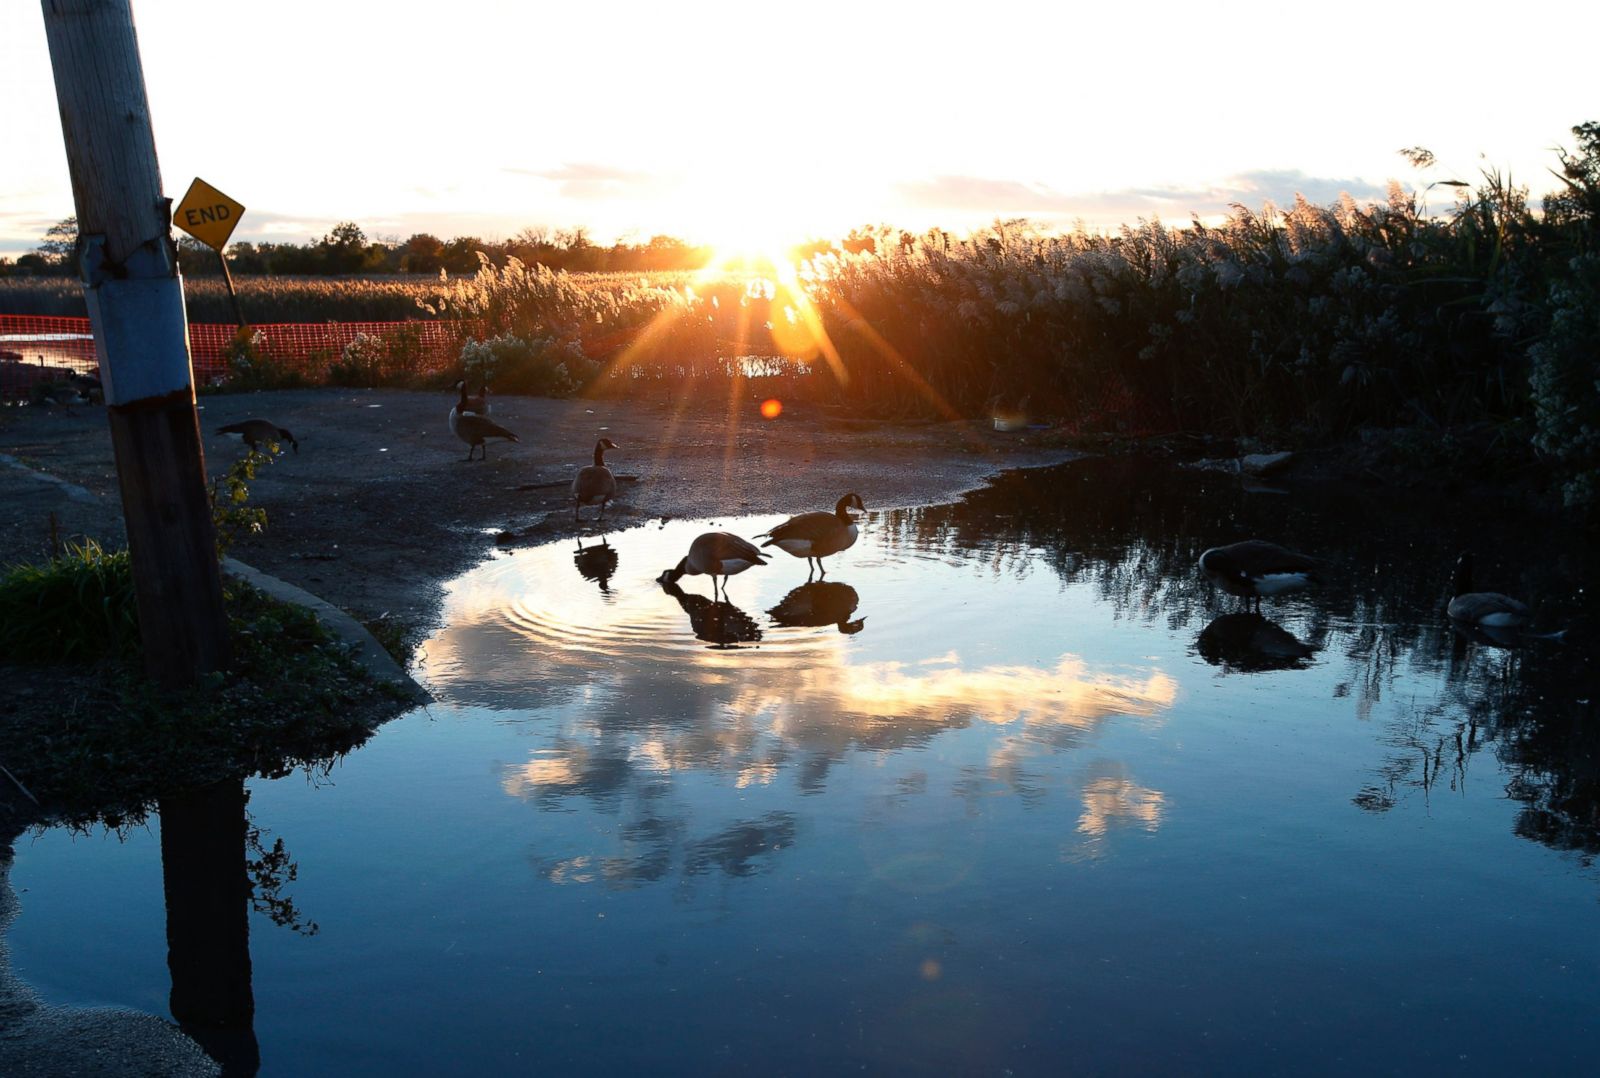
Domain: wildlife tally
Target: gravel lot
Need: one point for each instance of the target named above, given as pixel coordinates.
(379, 507)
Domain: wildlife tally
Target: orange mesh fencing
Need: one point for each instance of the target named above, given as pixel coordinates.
(36, 349)
(39, 349)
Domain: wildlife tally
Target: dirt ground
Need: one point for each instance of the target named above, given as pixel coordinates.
(379, 507)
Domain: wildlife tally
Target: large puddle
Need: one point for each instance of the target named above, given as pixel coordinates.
(1011, 790)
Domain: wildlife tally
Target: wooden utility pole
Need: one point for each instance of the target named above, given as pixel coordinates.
(129, 267)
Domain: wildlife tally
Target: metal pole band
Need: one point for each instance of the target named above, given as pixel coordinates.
(137, 319)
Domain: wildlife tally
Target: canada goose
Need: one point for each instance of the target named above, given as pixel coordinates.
(1250, 643)
(1499, 616)
(259, 432)
(820, 602)
(715, 554)
(595, 485)
(88, 386)
(1255, 568)
(61, 395)
(474, 429)
(816, 535)
(478, 405)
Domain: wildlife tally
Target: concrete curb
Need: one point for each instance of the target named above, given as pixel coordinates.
(73, 490)
(365, 648)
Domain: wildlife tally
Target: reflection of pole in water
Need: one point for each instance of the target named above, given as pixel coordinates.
(208, 921)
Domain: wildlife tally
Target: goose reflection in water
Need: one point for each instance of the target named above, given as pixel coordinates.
(597, 563)
(1250, 643)
(821, 602)
(720, 623)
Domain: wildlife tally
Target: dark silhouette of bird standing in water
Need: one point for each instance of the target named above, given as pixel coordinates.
(715, 554)
(1256, 568)
(813, 536)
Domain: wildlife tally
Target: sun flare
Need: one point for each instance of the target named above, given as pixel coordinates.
(756, 213)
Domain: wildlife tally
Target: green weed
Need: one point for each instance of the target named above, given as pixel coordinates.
(77, 607)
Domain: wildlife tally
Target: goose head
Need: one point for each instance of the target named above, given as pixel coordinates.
(848, 502)
(673, 575)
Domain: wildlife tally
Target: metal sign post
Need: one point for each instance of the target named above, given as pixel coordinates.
(210, 217)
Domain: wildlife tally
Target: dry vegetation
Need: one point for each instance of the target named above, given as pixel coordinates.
(1299, 324)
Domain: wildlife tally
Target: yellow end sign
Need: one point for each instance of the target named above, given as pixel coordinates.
(207, 214)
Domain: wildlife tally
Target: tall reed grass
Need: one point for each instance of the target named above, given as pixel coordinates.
(1295, 322)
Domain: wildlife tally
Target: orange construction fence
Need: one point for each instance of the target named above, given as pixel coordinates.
(37, 348)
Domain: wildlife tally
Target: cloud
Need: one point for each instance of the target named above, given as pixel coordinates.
(1011, 197)
(22, 232)
(594, 182)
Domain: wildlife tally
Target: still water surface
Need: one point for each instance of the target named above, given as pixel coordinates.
(1014, 791)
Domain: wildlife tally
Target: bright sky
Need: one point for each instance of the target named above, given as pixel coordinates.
(745, 122)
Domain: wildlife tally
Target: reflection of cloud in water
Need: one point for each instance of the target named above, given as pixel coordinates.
(625, 703)
(542, 771)
(1067, 695)
(822, 712)
(1113, 800)
(742, 848)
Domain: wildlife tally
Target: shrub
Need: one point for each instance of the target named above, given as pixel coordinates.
(1565, 366)
(540, 367)
(364, 362)
(250, 368)
(396, 357)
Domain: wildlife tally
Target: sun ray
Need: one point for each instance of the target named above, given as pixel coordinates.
(902, 365)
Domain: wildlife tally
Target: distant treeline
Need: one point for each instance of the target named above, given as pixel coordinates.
(347, 252)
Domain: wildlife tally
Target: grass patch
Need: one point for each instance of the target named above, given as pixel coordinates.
(94, 741)
(77, 607)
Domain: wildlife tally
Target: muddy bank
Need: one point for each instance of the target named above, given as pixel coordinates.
(379, 507)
